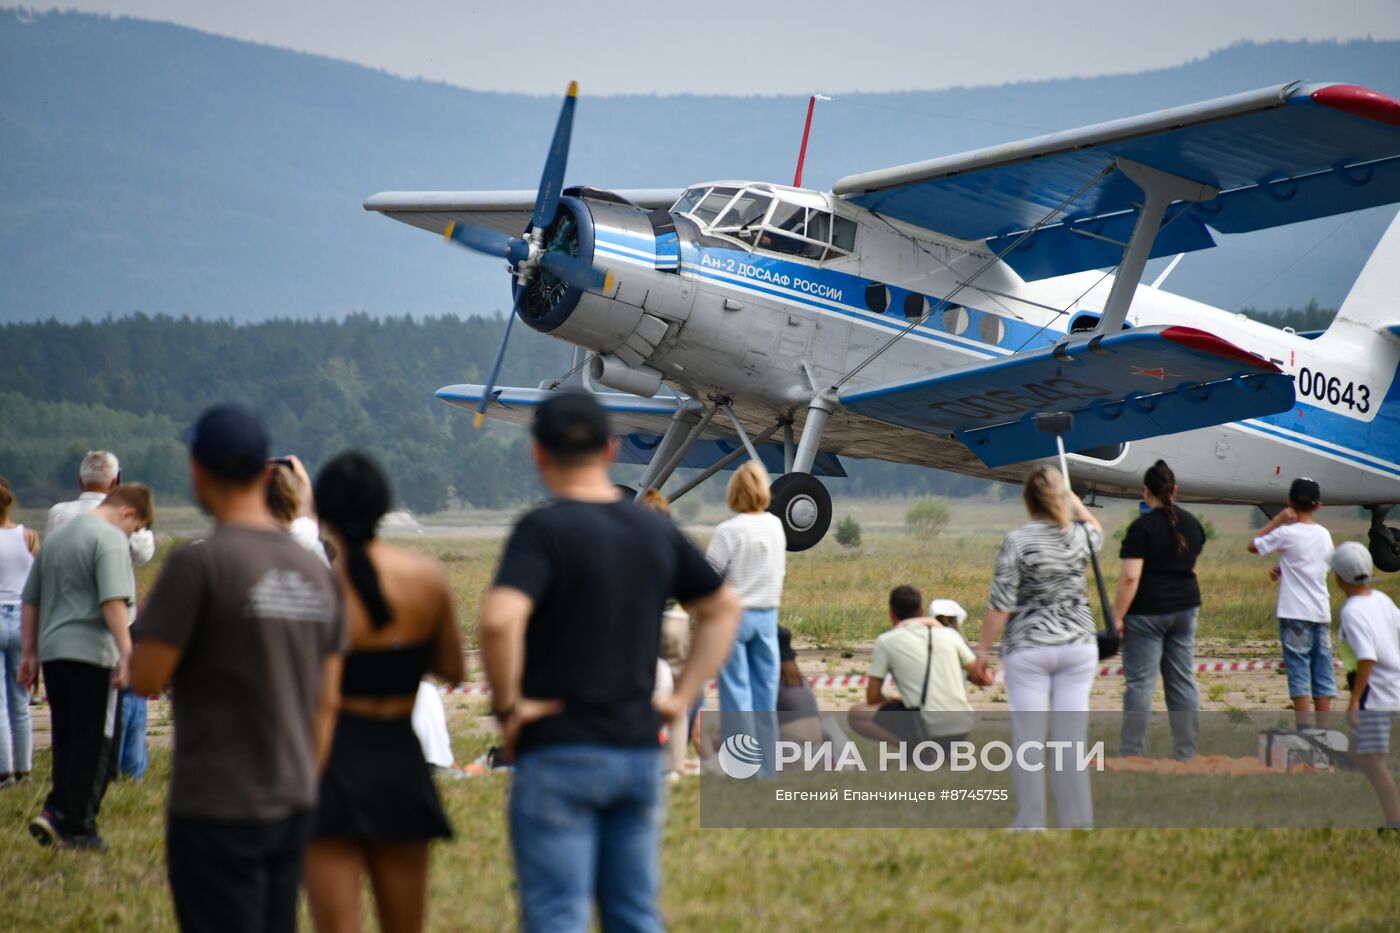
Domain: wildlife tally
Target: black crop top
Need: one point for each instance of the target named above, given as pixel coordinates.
(390, 672)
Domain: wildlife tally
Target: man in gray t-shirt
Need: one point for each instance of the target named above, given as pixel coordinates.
(248, 626)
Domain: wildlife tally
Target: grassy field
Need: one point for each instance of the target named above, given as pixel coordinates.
(790, 879)
(804, 879)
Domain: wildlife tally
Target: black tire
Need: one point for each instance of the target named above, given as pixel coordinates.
(1385, 548)
(794, 496)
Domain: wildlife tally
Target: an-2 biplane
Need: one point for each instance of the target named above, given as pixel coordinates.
(925, 313)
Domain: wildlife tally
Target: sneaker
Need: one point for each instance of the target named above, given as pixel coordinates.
(44, 829)
(89, 843)
(8, 782)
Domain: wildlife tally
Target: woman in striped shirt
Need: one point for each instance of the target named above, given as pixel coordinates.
(1049, 650)
(750, 552)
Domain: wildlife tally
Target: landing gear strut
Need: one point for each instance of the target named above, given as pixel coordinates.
(800, 501)
(1385, 541)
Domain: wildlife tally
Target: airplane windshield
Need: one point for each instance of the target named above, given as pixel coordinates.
(764, 220)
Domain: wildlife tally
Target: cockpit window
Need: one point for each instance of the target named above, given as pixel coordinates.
(688, 200)
(843, 235)
(748, 209)
(764, 220)
(708, 209)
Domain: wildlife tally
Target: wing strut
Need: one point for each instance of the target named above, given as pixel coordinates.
(1159, 191)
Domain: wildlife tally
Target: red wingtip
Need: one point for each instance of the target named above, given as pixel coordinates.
(1359, 102)
(1209, 343)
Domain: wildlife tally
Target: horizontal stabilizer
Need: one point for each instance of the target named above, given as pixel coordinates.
(638, 422)
(1139, 383)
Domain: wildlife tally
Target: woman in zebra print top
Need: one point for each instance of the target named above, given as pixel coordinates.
(1049, 650)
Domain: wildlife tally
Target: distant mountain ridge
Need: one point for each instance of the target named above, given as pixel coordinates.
(146, 166)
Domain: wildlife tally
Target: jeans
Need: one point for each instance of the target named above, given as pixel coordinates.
(131, 739)
(1166, 641)
(1307, 657)
(16, 731)
(585, 823)
(1047, 687)
(748, 682)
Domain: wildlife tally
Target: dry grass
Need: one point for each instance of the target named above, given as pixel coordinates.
(795, 879)
(790, 879)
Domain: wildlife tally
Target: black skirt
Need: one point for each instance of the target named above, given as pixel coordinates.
(377, 786)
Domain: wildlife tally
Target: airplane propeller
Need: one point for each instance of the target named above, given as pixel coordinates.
(526, 255)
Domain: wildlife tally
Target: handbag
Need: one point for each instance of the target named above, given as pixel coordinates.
(1108, 636)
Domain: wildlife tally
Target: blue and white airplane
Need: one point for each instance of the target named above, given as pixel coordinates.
(926, 313)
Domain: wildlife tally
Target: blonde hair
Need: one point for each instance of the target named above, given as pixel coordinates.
(134, 496)
(283, 495)
(653, 499)
(748, 489)
(1045, 497)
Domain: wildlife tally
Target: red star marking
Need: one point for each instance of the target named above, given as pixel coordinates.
(1159, 373)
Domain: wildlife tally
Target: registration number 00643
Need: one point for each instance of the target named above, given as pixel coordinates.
(1314, 384)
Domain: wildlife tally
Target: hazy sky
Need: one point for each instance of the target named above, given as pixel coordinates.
(761, 46)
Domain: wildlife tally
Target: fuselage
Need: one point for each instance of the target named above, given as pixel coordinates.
(769, 312)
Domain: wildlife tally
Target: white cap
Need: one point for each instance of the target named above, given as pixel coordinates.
(947, 607)
(1351, 562)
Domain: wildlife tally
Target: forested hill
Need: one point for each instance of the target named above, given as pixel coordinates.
(150, 167)
(133, 384)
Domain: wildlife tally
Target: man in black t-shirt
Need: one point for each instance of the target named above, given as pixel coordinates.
(570, 634)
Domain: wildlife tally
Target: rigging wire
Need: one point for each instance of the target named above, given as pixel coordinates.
(1304, 255)
(946, 299)
(935, 113)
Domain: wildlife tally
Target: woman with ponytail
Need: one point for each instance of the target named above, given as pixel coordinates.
(378, 808)
(1156, 607)
(1050, 651)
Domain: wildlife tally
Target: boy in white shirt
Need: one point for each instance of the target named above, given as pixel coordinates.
(1371, 629)
(1304, 609)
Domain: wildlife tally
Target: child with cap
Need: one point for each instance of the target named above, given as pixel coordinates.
(1371, 630)
(1304, 610)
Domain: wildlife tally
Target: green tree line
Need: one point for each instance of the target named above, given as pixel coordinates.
(133, 384)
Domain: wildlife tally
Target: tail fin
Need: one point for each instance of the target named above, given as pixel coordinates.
(1374, 301)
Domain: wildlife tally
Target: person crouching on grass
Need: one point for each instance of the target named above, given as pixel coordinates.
(1304, 610)
(927, 658)
(1371, 629)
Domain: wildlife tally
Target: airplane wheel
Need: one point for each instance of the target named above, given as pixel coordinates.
(804, 506)
(1385, 548)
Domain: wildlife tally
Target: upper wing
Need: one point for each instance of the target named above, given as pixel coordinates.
(1137, 383)
(506, 211)
(638, 423)
(1277, 155)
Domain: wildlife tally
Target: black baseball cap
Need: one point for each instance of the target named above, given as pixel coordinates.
(230, 442)
(571, 424)
(1305, 491)
(785, 652)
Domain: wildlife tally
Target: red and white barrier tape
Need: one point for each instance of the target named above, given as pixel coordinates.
(842, 681)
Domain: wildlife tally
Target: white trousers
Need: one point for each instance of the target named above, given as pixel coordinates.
(1048, 690)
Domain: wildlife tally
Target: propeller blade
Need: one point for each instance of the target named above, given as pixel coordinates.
(480, 418)
(552, 181)
(575, 271)
(481, 239)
